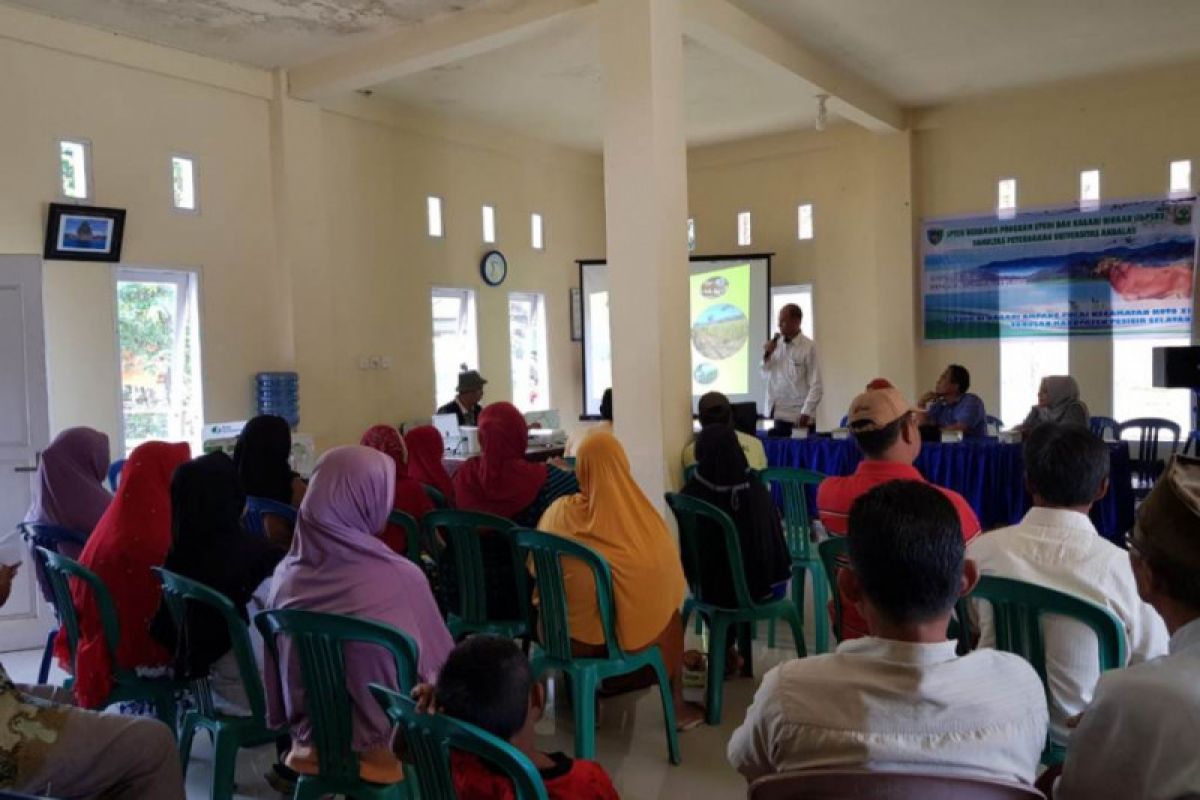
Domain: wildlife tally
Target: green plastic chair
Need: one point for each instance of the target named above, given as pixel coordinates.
(439, 499)
(229, 733)
(126, 684)
(463, 532)
(1017, 611)
(428, 739)
(545, 552)
(412, 531)
(797, 527)
(317, 641)
(695, 547)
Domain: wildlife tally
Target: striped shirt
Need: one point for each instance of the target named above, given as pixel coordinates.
(559, 483)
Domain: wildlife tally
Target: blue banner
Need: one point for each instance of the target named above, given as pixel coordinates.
(1123, 268)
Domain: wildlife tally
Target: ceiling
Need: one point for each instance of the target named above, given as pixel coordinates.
(917, 52)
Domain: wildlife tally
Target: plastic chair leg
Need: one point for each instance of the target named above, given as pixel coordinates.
(186, 736)
(797, 631)
(47, 654)
(820, 615)
(583, 696)
(668, 703)
(745, 638)
(309, 789)
(224, 766)
(718, 637)
(165, 710)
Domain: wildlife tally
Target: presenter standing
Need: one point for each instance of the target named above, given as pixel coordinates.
(793, 375)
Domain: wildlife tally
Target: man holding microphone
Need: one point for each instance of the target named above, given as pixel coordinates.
(793, 375)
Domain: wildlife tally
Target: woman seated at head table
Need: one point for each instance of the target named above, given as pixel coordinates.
(261, 458)
(209, 545)
(338, 565)
(611, 515)
(133, 535)
(1057, 402)
(410, 497)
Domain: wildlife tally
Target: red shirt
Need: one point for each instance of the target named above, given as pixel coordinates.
(568, 779)
(835, 496)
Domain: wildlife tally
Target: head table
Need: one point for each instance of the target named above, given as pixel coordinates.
(990, 474)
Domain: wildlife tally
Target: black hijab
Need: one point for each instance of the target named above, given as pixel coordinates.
(724, 478)
(208, 545)
(261, 458)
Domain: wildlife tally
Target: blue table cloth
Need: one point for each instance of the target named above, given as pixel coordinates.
(988, 473)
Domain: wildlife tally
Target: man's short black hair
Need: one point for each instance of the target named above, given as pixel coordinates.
(1065, 464)
(906, 546)
(875, 443)
(486, 681)
(960, 377)
(606, 405)
(792, 310)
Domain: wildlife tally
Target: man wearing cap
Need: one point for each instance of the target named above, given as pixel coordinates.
(1138, 737)
(789, 364)
(465, 404)
(713, 408)
(1056, 546)
(884, 426)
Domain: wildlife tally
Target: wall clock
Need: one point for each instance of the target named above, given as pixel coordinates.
(493, 267)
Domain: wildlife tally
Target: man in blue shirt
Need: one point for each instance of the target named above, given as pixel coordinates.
(951, 407)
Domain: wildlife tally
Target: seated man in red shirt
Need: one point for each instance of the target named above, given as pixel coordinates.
(884, 426)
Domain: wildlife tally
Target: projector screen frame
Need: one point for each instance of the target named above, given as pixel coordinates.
(580, 263)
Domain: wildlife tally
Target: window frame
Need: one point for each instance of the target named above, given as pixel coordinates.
(1003, 211)
(749, 221)
(537, 231)
(488, 215)
(809, 324)
(469, 298)
(90, 195)
(800, 222)
(538, 300)
(191, 159)
(1185, 191)
(1091, 204)
(430, 201)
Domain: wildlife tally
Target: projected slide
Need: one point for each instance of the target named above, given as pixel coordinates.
(720, 318)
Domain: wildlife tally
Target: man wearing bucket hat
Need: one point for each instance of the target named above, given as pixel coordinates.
(465, 404)
(1138, 737)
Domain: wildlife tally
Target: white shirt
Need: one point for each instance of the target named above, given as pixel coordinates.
(899, 706)
(1138, 738)
(1061, 550)
(793, 379)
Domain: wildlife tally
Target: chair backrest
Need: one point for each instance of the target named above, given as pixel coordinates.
(317, 640)
(114, 474)
(439, 499)
(1098, 425)
(60, 570)
(428, 739)
(545, 551)
(258, 507)
(845, 422)
(178, 591)
(463, 532)
(994, 424)
(835, 555)
(51, 537)
(1017, 609)
(1148, 464)
(412, 532)
(716, 540)
(839, 784)
(793, 486)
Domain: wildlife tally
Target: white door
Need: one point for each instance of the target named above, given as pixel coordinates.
(24, 432)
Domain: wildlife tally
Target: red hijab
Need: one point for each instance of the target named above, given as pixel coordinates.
(425, 450)
(500, 480)
(410, 497)
(132, 536)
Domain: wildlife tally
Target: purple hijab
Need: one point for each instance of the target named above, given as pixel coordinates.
(70, 490)
(337, 565)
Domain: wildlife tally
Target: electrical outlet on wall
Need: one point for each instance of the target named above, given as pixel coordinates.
(385, 362)
(364, 362)
(376, 362)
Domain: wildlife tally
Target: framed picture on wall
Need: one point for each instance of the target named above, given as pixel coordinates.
(84, 233)
(576, 315)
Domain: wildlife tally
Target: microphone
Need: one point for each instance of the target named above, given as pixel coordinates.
(775, 338)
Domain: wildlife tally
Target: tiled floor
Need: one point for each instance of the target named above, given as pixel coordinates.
(630, 741)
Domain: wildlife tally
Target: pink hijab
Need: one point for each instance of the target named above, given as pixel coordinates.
(337, 565)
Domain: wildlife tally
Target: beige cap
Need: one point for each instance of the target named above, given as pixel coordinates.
(877, 408)
(1168, 520)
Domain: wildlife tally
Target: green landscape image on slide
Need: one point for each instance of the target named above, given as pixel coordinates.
(720, 308)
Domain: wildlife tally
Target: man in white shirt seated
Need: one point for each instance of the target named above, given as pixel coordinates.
(900, 699)
(1138, 738)
(713, 408)
(1056, 545)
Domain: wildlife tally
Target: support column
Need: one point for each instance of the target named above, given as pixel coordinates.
(645, 186)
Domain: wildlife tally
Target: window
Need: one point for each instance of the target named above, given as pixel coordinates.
(75, 169)
(433, 209)
(1133, 392)
(1024, 361)
(527, 346)
(158, 337)
(691, 230)
(489, 225)
(743, 222)
(535, 232)
(801, 295)
(1181, 178)
(455, 343)
(804, 221)
(183, 183)
(1089, 190)
(1006, 198)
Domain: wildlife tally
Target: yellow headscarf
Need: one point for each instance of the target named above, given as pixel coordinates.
(613, 517)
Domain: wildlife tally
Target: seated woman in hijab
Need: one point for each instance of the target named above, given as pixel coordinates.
(500, 481)
(612, 516)
(338, 565)
(209, 545)
(261, 458)
(1058, 402)
(425, 452)
(409, 496)
(133, 535)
